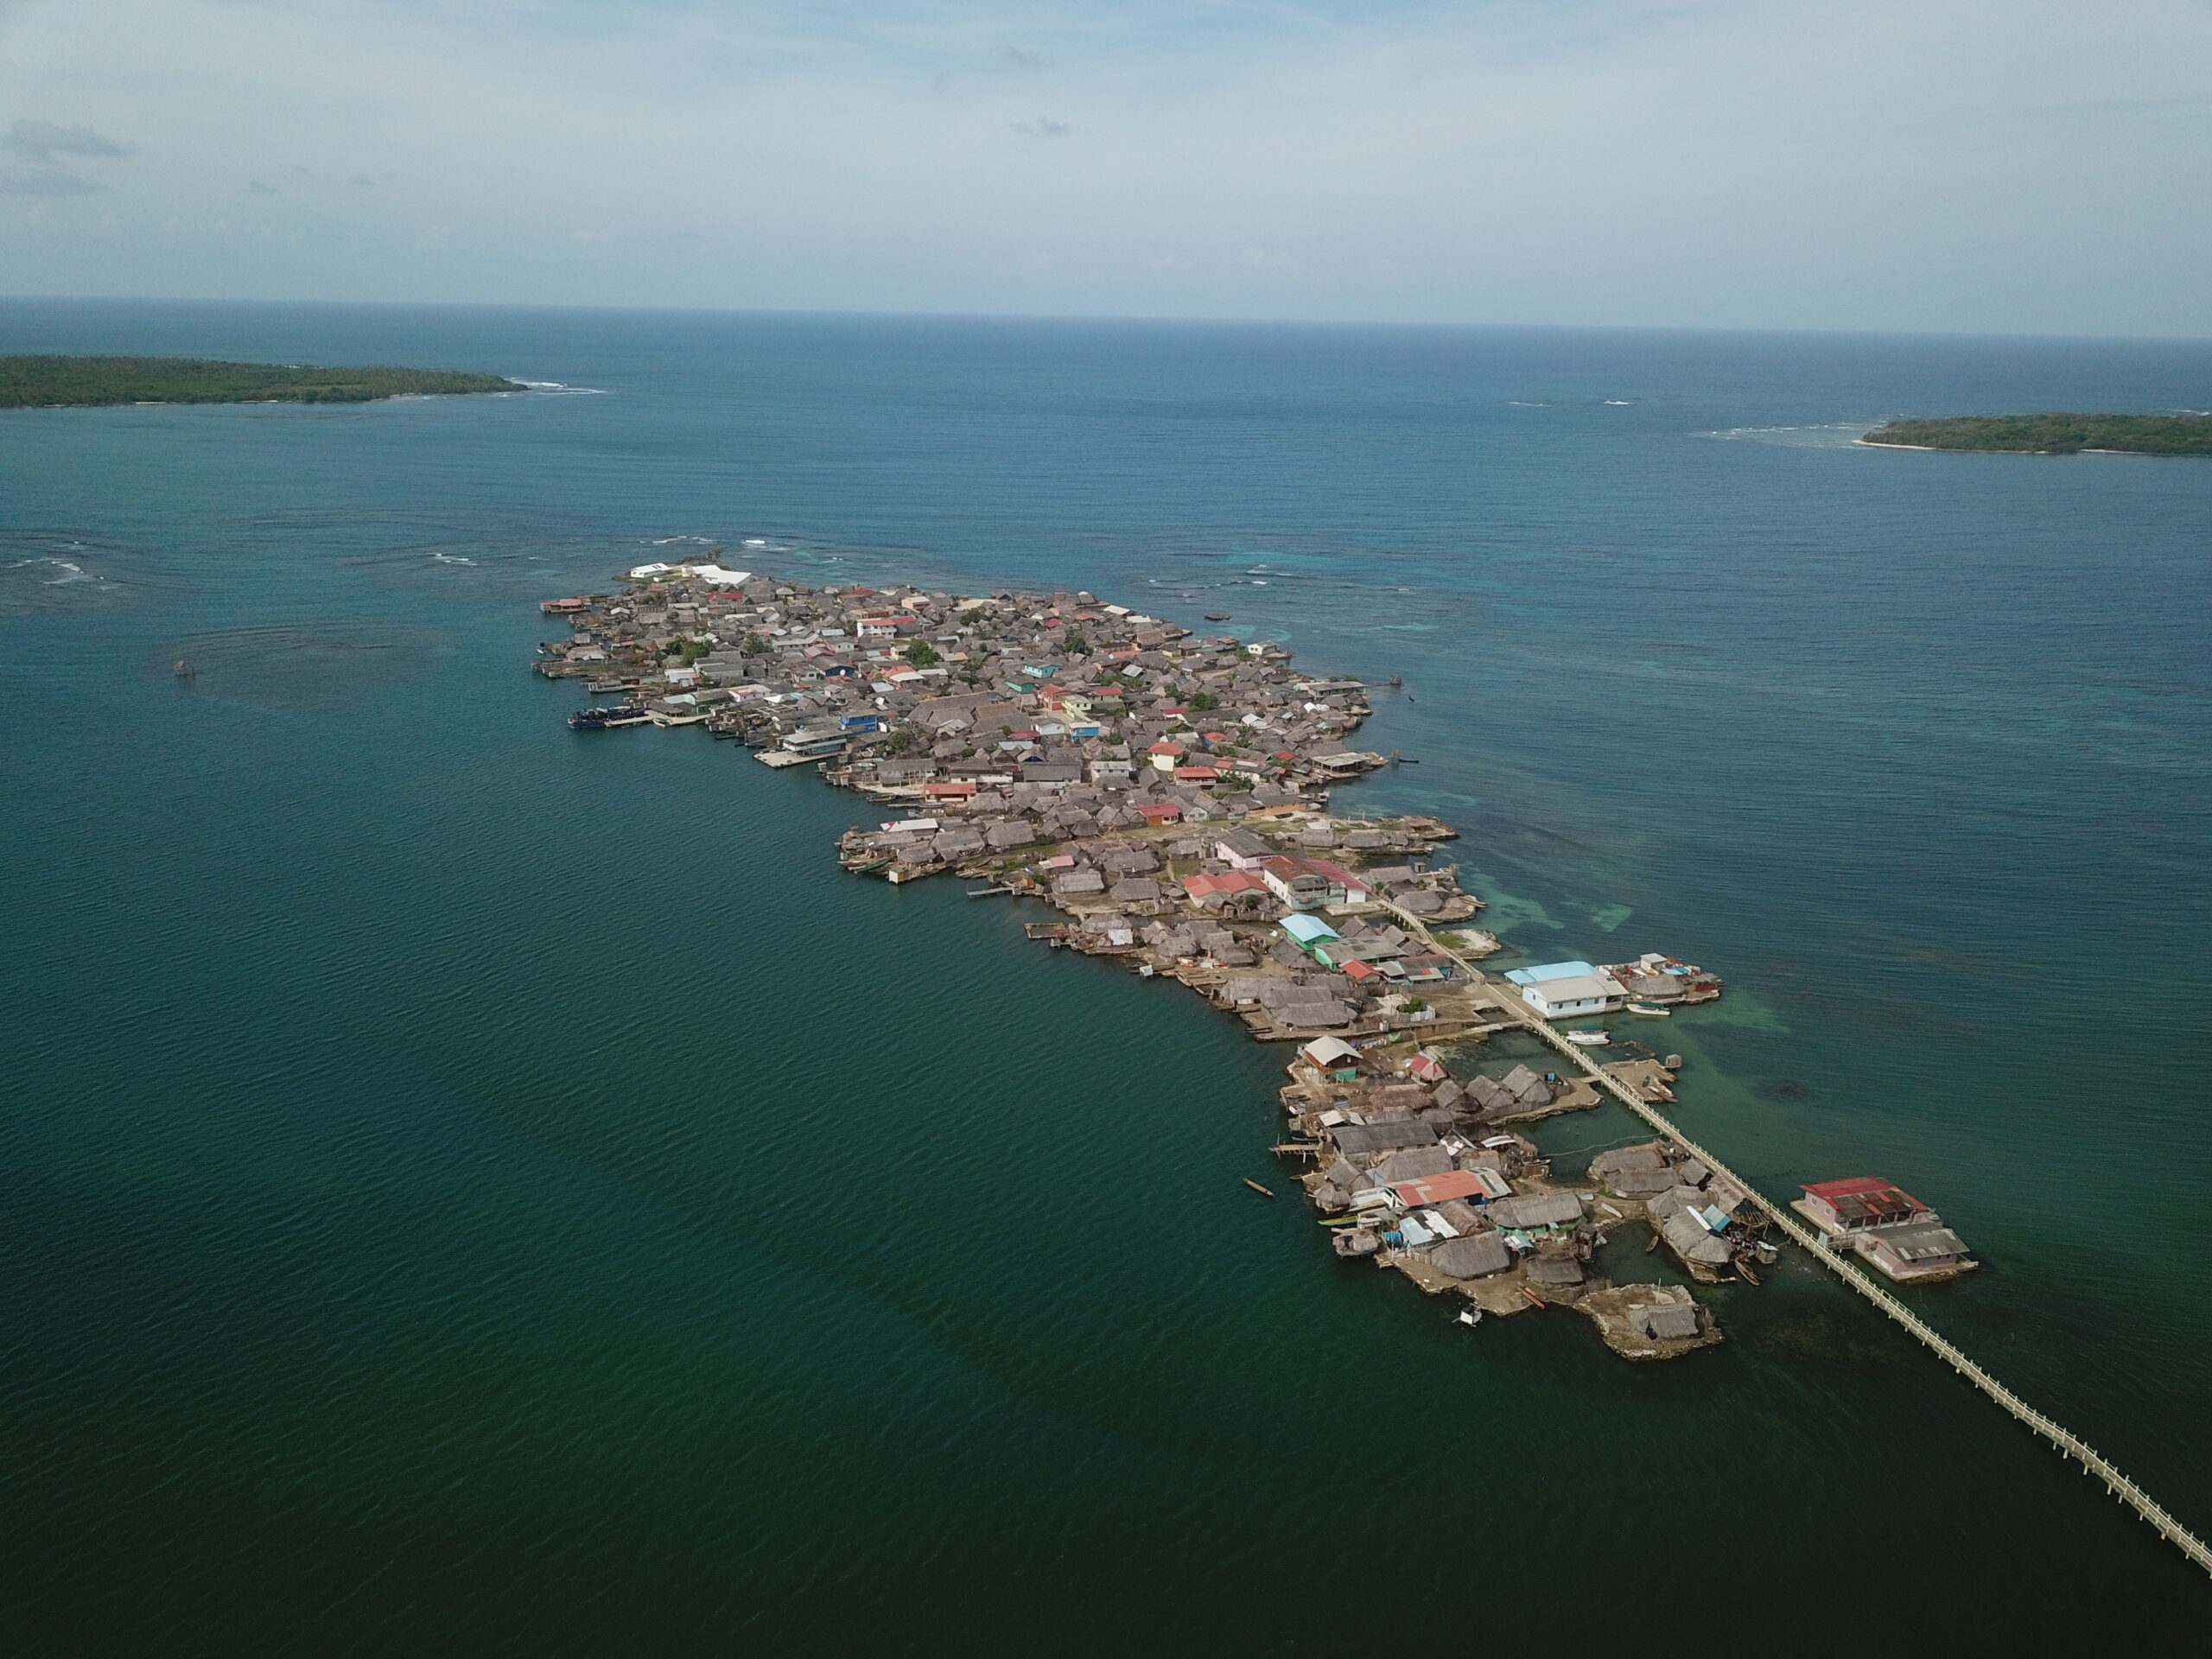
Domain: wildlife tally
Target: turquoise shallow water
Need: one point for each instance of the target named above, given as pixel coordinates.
(472, 1188)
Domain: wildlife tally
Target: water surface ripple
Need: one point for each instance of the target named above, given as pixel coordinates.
(475, 1188)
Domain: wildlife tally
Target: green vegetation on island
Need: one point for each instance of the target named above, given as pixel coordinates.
(79, 382)
(2055, 435)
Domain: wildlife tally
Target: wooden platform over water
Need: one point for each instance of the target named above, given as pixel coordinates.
(1625, 1090)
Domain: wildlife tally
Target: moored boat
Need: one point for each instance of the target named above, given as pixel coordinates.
(1650, 1010)
(608, 720)
(1589, 1039)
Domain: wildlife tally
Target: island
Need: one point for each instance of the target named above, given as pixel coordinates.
(2054, 433)
(1167, 796)
(41, 382)
(1164, 797)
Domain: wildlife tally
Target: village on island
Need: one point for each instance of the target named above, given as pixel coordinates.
(1169, 796)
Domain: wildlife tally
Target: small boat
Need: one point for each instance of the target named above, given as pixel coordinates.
(1650, 1010)
(1216, 616)
(1264, 1192)
(608, 720)
(1589, 1039)
(183, 669)
(1469, 1316)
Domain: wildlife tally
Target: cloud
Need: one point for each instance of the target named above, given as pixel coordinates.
(1673, 162)
(45, 181)
(41, 141)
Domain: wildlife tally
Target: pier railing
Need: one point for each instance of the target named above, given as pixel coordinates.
(2069, 1443)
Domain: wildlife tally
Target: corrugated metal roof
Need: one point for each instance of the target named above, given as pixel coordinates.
(1552, 970)
(1434, 1189)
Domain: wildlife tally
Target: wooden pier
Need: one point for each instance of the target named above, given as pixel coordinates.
(2069, 1444)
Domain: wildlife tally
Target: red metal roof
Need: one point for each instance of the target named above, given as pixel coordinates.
(1336, 872)
(1851, 1185)
(1285, 866)
(1452, 1184)
(1868, 1200)
(1228, 881)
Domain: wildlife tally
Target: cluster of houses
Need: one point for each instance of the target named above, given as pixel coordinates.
(990, 707)
(1167, 794)
(1884, 1224)
(1178, 902)
(1570, 990)
(1414, 1169)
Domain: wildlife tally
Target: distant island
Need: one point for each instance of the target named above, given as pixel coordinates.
(2055, 435)
(82, 382)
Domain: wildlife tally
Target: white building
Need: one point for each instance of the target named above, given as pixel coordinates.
(1573, 994)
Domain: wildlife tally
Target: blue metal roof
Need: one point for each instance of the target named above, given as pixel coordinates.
(1550, 971)
(1306, 929)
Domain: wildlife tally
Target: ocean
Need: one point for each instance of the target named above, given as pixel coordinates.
(473, 1187)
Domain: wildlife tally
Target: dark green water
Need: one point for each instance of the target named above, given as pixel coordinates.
(474, 1188)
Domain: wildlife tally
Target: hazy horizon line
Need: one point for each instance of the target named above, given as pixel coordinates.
(1164, 320)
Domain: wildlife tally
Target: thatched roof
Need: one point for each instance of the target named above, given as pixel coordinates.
(1413, 1164)
(1536, 1210)
(1667, 1321)
(1557, 1270)
(1472, 1256)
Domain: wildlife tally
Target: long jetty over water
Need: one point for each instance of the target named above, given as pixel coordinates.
(2070, 1444)
(1169, 794)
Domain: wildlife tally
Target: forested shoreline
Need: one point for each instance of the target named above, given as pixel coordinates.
(46, 382)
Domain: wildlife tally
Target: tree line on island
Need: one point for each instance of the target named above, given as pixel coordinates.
(42, 382)
(2055, 434)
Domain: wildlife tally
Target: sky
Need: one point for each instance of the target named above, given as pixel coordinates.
(1911, 165)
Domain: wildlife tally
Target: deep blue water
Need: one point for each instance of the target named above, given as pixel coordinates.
(472, 1188)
